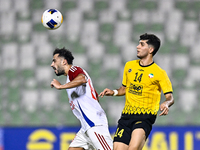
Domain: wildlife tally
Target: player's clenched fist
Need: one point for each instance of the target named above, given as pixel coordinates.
(55, 83)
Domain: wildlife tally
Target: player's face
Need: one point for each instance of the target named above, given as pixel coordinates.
(57, 65)
(143, 49)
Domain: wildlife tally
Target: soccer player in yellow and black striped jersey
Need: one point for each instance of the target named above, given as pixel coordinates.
(142, 83)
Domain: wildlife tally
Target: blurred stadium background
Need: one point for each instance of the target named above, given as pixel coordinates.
(103, 35)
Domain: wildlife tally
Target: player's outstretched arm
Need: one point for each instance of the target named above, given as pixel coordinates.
(79, 80)
(106, 92)
(164, 107)
(119, 92)
(55, 83)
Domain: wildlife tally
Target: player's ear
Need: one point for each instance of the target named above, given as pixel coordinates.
(65, 62)
(151, 49)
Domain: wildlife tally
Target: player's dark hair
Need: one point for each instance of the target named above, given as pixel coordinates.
(152, 40)
(64, 53)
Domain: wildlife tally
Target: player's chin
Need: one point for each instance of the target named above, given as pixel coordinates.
(138, 56)
(55, 72)
(58, 74)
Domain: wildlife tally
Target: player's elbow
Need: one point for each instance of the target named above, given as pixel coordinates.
(173, 101)
(83, 79)
(170, 98)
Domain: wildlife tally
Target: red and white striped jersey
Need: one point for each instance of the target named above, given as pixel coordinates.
(83, 101)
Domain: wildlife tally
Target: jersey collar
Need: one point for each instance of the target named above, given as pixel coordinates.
(146, 65)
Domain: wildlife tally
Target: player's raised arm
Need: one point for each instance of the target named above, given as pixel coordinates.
(118, 92)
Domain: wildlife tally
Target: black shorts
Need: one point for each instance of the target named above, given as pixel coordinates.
(127, 123)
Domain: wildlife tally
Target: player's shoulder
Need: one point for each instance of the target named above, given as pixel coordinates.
(158, 69)
(74, 71)
(132, 62)
(75, 68)
(157, 66)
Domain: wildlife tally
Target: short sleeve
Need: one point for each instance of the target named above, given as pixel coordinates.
(74, 71)
(165, 83)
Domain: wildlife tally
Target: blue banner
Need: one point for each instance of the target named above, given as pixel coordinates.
(52, 138)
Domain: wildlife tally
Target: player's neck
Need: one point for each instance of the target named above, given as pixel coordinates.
(67, 67)
(146, 61)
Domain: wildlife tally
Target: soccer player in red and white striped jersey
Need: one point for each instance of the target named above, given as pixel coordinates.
(83, 100)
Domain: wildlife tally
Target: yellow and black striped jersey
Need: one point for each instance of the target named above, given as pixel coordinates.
(143, 87)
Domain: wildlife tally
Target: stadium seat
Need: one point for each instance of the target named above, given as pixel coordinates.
(190, 28)
(107, 16)
(27, 59)
(162, 121)
(90, 15)
(195, 117)
(107, 28)
(70, 119)
(5, 5)
(106, 32)
(9, 56)
(150, 5)
(191, 15)
(81, 61)
(166, 48)
(178, 117)
(32, 118)
(182, 49)
(122, 34)
(85, 5)
(183, 5)
(141, 16)
(95, 70)
(13, 97)
(27, 73)
(195, 6)
(16, 117)
(112, 61)
(100, 5)
(132, 5)
(117, 5)
(44, 53)
(124, 15)
(89, 34)
(50, 117)
(35, 5)
(166, 6)
(111, 48)
(11, 73)
(140, 28)
(114, 114)
(2, 118)
(53, 4)
(68, 5)
(156, 27)
(179, 74)
(38, 27)
(112, 75)
(95, 52)
(21, 5)
(136, 35)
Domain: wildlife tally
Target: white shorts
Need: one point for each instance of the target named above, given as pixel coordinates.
(98, 137)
